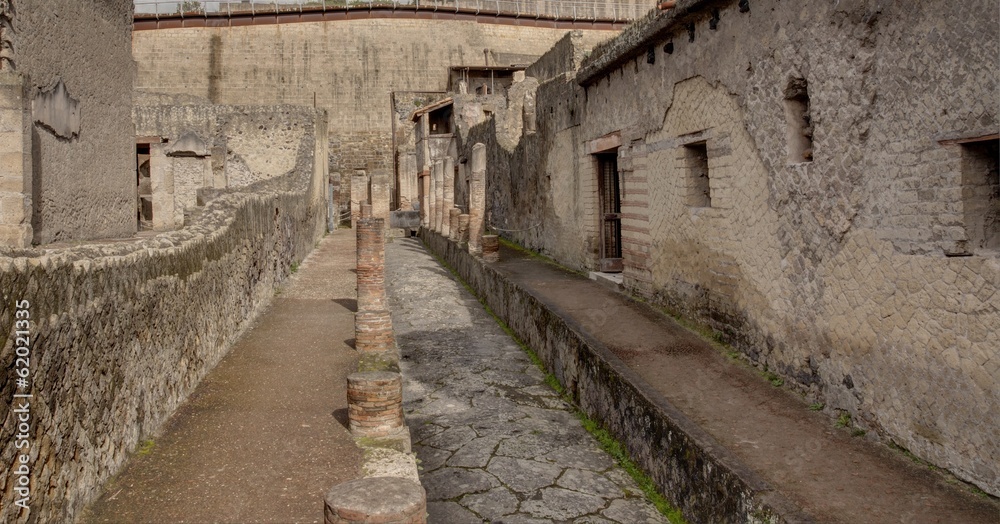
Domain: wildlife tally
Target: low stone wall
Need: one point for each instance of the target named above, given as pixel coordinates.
(121, 333)
(696, 474)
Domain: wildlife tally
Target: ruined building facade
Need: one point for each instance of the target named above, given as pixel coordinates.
(815, 182)
(66, 106)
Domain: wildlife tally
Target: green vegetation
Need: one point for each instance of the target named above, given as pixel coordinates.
(844, 420)
(378, 361)
(295, 267)
(145, 447)
(189, 6)
(773, 378)
(816, 406)
(948, 477)
(620, 454)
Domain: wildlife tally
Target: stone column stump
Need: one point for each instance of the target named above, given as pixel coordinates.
(447, 194)
(375, 403)
(386, 500)
(373, 331)
(437, 199)
(477, 199)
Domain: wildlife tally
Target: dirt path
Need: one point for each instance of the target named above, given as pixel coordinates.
(258, 440)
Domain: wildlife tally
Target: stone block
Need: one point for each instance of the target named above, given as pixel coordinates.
(384, 500)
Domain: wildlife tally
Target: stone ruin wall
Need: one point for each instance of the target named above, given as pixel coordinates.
(124, 332)
(534, 193)
(240, 145)
(840, 274)
(66, 141)
(351, 68)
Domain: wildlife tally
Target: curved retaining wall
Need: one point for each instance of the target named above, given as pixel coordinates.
(122, 333)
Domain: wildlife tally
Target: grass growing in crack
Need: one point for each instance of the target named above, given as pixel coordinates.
(844, 420)
(774, 379)
(617, 451)
(295, 267)
(145, 447)
(607, 442)
(816, 406)
(948, 477)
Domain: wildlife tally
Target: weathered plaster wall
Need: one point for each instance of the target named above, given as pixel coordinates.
(536, 193)
(122, 333)
(82, 178)
(237, 146)
(349, 67)
(838, 273)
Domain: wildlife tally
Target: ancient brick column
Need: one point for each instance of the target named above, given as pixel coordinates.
(366, 210)
(448, 196)
(372, 322)
(432, 218)
(406, 186)
(453, 223)
(359, 194)
(374, 403)
(491, 248)
(477, 198)
(381, 180)
(425, 199)
(438, 173)
(389, 500)
(463, 227)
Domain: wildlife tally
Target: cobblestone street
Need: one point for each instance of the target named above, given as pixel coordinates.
(495, 443)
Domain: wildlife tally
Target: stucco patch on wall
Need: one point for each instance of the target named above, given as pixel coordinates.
(56, 111)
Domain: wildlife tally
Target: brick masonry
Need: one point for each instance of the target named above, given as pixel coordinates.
(373, 323)
(375, 403)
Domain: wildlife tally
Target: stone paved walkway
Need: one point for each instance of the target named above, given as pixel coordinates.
(494, 442)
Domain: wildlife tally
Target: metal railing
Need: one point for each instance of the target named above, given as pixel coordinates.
(614, 10)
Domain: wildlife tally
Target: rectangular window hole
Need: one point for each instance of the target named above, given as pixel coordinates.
(799, 122)
(440, 120)
(981, 193)
(699, 189)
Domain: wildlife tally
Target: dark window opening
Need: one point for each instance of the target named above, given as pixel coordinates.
(611, 208)
(696, 163)
(799, 120)
(440, 120)
(981, 193)
(144, 188)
